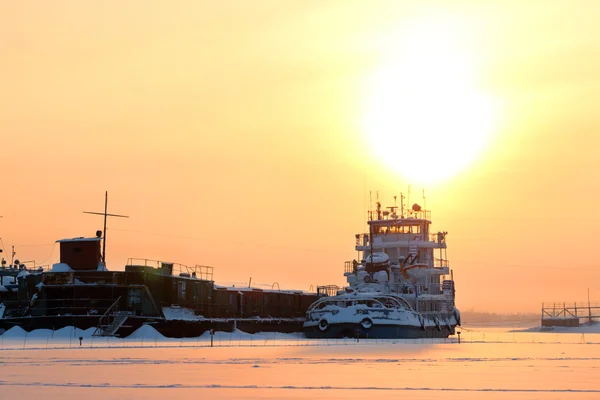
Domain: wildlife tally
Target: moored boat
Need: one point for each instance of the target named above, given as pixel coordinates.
(401, 286)
(179, 301)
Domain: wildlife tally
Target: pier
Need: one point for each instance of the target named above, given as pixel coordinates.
(570, 314)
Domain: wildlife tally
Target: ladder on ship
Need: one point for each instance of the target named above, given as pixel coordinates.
(118, 319)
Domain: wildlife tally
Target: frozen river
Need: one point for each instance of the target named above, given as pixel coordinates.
(487, 364)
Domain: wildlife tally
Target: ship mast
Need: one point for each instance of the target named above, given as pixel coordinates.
(105, 214)
(401, 205)
(370, 227)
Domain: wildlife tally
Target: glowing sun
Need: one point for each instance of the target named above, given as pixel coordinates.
(424, 115)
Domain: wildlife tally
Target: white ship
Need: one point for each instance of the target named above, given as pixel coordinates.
(400, 286)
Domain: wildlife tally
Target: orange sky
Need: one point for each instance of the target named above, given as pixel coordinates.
(232, 133)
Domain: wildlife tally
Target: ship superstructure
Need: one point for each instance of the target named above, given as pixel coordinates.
(399, 257)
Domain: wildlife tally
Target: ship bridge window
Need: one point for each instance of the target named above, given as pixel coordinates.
(398, 229)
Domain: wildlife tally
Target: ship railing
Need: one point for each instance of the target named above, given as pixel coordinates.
(407, 213)
(437, 237)
(203, 272)
(433, 288)
(350, 267)
(327, 290)
(423, 214)
(25, 266)
(145, 262)
(32, 266)
(362, 239)
(401, 289)
(441, 263)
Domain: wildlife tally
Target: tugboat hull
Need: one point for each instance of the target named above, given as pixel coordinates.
(353, 330)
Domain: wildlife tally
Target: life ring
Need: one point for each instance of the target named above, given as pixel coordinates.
(323, 325)
(368, 279)
(366, 323)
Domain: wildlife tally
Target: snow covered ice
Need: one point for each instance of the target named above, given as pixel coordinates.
(490, 364)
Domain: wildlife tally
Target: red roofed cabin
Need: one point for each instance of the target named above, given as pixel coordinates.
(81, 254)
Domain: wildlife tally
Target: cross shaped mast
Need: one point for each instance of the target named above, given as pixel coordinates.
(106, 214)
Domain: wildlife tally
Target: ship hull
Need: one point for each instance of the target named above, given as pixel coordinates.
(169, 328)
(378, 331)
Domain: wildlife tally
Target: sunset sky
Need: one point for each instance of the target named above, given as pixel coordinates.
(246, 135)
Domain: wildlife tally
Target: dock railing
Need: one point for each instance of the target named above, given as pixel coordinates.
(580, 310)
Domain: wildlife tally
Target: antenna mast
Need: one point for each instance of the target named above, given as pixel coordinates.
(370, 226)
(370, 206)
(401, 205)
(105, 214)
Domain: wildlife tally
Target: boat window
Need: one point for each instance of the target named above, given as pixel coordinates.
(389, 303)
(375, 304)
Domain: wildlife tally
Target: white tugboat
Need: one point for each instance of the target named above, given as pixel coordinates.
(402, 287)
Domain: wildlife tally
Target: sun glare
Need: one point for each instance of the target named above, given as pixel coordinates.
(425, 117)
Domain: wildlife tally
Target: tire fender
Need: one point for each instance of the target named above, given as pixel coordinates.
(323, 325)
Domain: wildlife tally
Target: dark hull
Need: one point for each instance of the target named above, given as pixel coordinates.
(167, 328)
(378, 332)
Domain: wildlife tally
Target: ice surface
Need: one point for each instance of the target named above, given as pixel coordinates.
(586, 328)
(497, 365)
